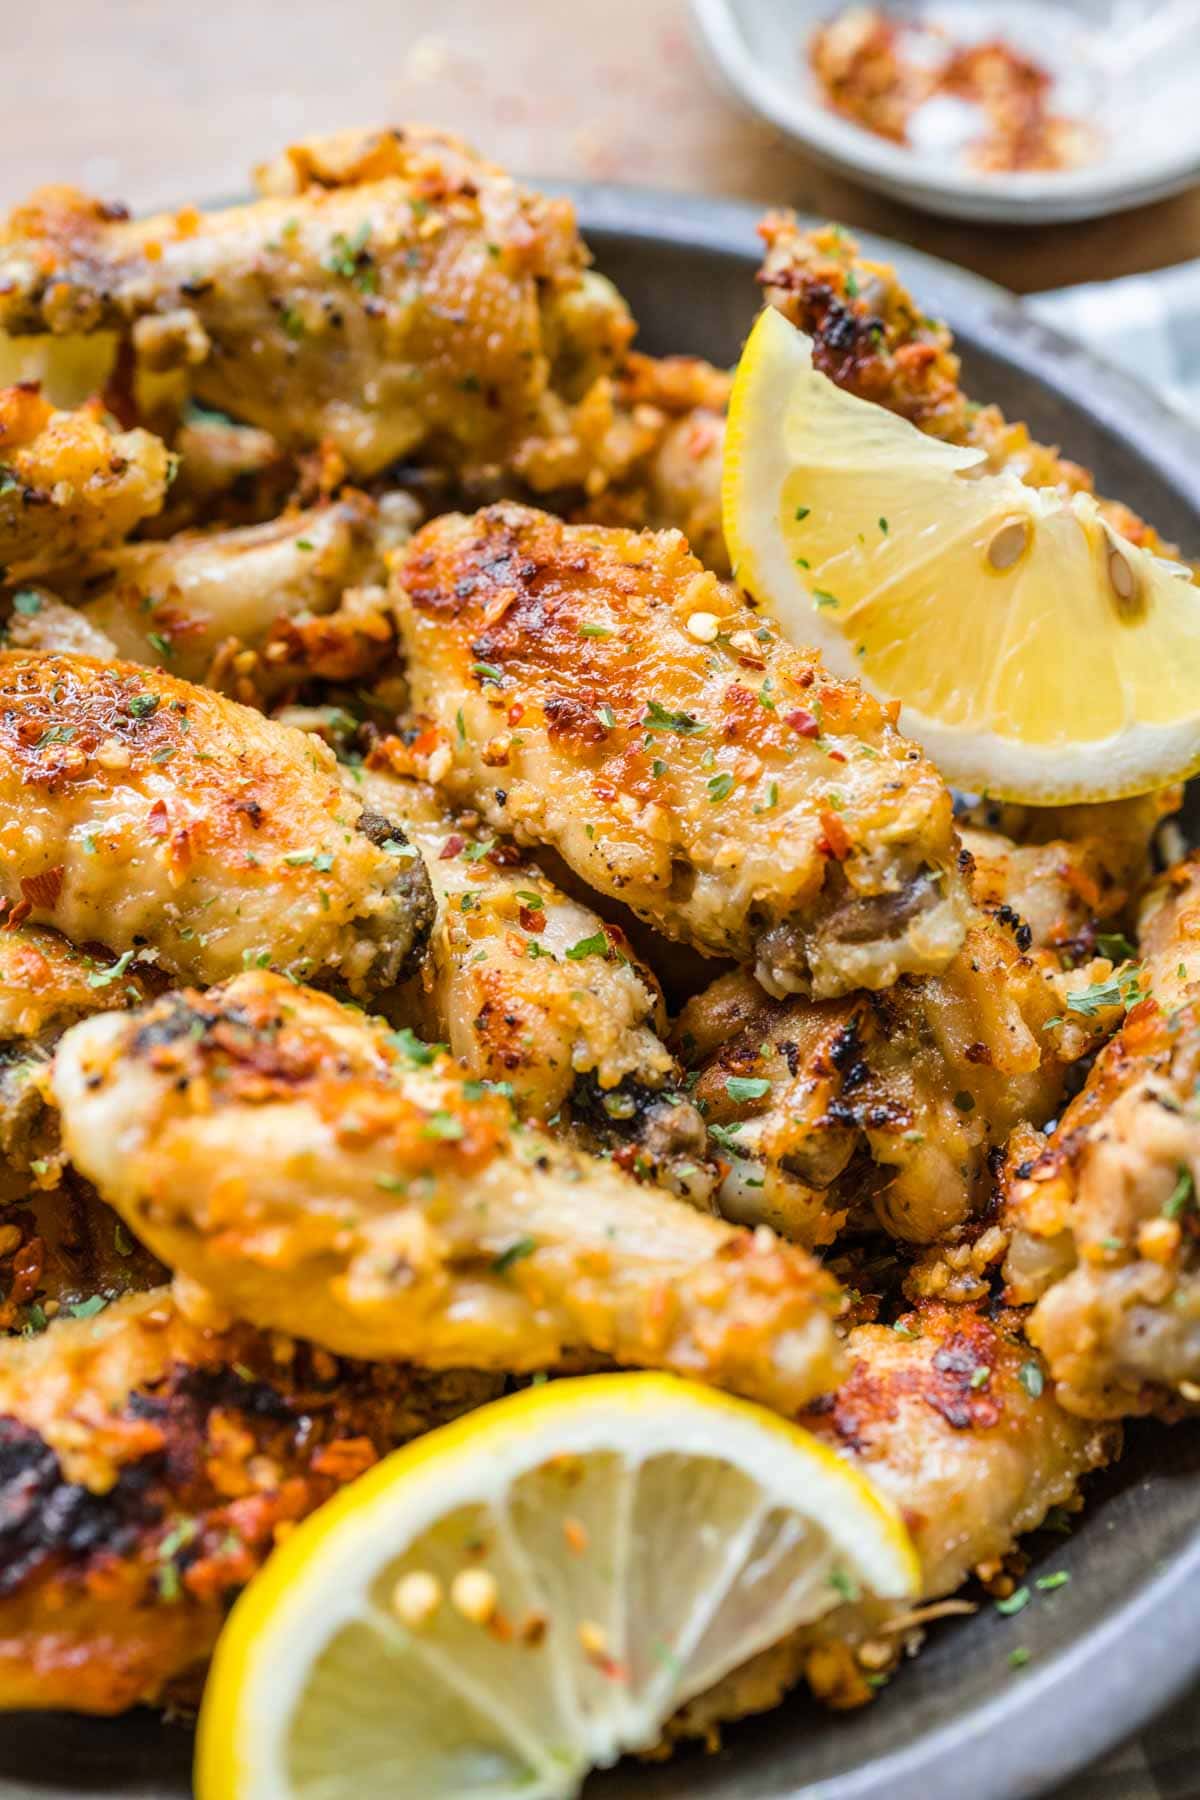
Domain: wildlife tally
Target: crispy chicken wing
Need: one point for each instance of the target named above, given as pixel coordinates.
(1106, 1223)
(902, 1099)
(146, 1467)
(942, 1414)
(306, 1165)
(150, 815)
(393, 294)
(600, 693)
(531, 989)
(871, 338)
(254, 608)
(69, 485)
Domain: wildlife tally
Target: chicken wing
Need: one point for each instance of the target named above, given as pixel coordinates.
(600, 693)
(146, 1468)
(306, 1165)
(155, 817)
(531, 989)
(901, 1099)
(70, 486)
(1105, 1220)
(949, 1414)
(392, 294)
(257, 607)
(871, 338)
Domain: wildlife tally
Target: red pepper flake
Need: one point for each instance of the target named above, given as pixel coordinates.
(18, 915)
(803, 722)
(450, 849)
(516, 712)
(156, 819)
(43, 889)
(530, 920)
(837, 841)
(836, 755)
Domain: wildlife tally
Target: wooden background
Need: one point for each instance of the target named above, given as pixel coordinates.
(156, 103)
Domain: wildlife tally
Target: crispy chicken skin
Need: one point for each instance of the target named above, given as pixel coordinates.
(393, 295)
(902, 1098)
(144, 813)
(1105, 1219)
(69, 485)
(531, 989)
(302, 1164)
(939, 1416)
(146, 1467)
(253, 608)
(600, 693)
(871, 338)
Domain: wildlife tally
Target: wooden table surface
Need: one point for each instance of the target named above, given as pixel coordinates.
(156, 104)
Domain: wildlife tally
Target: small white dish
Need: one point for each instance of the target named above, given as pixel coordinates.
(1129, 67)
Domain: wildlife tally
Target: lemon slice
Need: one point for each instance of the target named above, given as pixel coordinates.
(1038, 654)
(528, 1592)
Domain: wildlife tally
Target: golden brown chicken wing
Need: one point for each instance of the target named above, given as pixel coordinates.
(531, 989)
(1106, 1223)
(69, 485)
(158, 818)
(902, 1100)
(393, 295)
(146, 1467)
(305, 1164)
(255, 608)
(598, 692)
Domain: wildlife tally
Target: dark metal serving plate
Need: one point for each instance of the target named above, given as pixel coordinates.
(1122, 1638)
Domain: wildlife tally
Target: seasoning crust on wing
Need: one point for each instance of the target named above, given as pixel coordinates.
(596, 691)
(304, 1164)
(149, 815)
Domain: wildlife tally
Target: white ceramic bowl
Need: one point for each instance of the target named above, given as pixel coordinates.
(1144, 102)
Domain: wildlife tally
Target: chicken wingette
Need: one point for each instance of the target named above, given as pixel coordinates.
(595, 690)
(69, 484)
(147, 1466)
(391, 294)
(900, 1100)
(255, 608)
(531, 989)
(1106, 1225)
(307, 1166)
(158, 818)
(950, 1415)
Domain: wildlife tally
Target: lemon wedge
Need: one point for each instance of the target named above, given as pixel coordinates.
(528, 1592)
(1038, 654)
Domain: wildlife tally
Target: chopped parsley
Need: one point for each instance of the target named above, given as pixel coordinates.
(443, 1125)
(524, 1246)
(1031, 1378)
(746, 1087)
(416, 1050)
(1121, 989)
(1182, 1194)
(1015, 1603)
(102, 978)
(487, 672)
(720, 787)
(596, 945)
(26, 601)
(142, 705)
(683, 724)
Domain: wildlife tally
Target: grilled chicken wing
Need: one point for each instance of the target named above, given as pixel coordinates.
(146, 1467)
(531, 989)
(902, 1099)
(1106, 1223)
(69, 485)
(153, 816)
(943, 1415)
(600, 693)
(256, 607)
(871, 338)
(303, 1165)
(393, 295)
